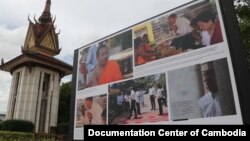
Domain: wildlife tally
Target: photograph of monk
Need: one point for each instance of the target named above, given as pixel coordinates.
(138, 101)
(106, 61)
(91, 111)
(194, 27)
(201, 91)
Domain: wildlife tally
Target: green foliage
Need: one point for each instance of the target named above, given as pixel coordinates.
(22, 136)
(18, 125)
(243, 12)
(64, 103)
(16, 136)
(123, 39)
(63, 128)
(213, 6)
(45, 137)
(153, 79)
(162, 80)
(0, 126)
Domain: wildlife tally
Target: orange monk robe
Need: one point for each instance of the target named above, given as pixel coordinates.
(140, 60)
(111, 72)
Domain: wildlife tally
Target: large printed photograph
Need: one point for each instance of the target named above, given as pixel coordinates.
(173, 68)
(201, 91)
(106, 61)
(91, 111)
(138, 101)
(187, 29)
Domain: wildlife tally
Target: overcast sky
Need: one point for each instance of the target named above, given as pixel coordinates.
(80, 22)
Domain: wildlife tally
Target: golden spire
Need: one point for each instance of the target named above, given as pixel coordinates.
(46, 16)
(47, 6)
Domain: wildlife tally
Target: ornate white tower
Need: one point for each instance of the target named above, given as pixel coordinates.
(36, 75)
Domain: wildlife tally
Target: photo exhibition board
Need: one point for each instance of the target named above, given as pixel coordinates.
(174, 68)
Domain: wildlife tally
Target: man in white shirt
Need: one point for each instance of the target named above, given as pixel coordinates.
(133, 103)
(137, 99)
(210, 106)
(120, 100)
(152, 94)
(210, 103)
(127, 102)
(94, 111)
(179, 25)
(182, 31)
(159, 98)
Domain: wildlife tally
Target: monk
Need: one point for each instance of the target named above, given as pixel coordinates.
(106, 70)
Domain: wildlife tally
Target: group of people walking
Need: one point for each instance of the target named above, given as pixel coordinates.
(132, 102)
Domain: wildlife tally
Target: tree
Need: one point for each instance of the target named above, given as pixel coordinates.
(64, 105)
(242, 8)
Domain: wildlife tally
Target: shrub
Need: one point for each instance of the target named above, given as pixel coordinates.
(17, 136)
(45, 137)
(18, 126)
(0, 126)
(63, 128)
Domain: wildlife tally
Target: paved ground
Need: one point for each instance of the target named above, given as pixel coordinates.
(147, 115)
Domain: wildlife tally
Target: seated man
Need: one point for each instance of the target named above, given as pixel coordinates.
(184, 29)
(143, 53)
